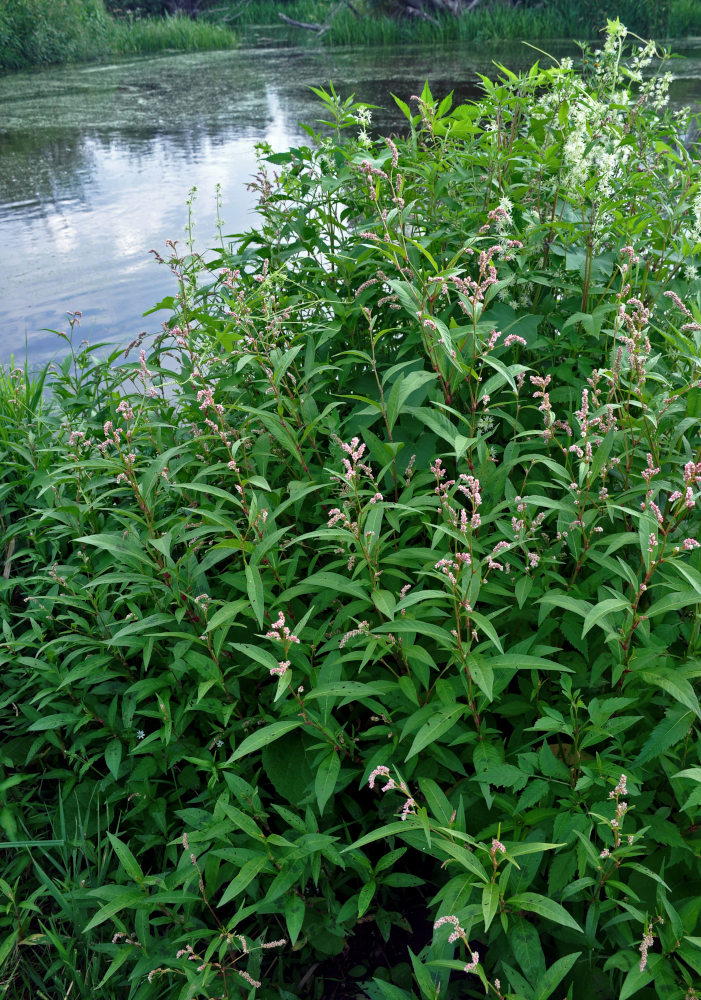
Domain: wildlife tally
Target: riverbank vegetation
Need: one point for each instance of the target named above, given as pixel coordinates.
(48, 32)
(350, 629)
(439, 21)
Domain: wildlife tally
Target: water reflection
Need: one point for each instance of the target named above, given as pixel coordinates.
(96, 163)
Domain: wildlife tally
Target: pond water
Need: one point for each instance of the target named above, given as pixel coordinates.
(96, 163)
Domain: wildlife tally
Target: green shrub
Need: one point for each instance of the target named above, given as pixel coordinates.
(45, 32)
(142, 36)
(40, 32)
(684, 19)
(384, 23)
(354, 627)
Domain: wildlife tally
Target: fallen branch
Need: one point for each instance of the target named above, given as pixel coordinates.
(411, 11)
(321, 28)
(301, 24)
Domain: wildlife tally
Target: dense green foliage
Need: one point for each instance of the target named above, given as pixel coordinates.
(45, 32)
(36, 32)
(388, 22)
(350, 634)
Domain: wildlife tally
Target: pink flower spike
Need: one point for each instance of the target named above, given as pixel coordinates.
(645, 945)
(249, 979)
(409, 808)
(474, 962)
(620, 789)
(447, 919)
(381, 771)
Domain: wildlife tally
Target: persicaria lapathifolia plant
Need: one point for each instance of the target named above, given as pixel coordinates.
(404, 498)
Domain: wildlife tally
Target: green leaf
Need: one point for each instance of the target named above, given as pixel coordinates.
(554, 976)
(327, 581)
(602, 453)
(670, 681)
(666, 734)
(128, 898)
(294, 911)
(690, 574)
(673, 602)
(436, 800)
(522, 589)
(502, 775)
(405, 109)
(389, 830)
(283, 882)
(247, 873)
(286, 765)
(242, 820)
(525, 990)
(325, 781)
(440, 723)
(562, 600)
(7, 945)
(463, 856)
(118, 546)
(349, 690)
(126, 859)
(481, 673)
(113, 757)
(261, 656)
(635, 980)
(423, 977)
(53, 722)
(528, 952)
(263, 736)
(486, 626)
(138, 627)
(520, 661)
(403, 387)
(490, 903)
(544, 907)
(689, 772)
(124, 953)
(529, 847)
(229, 612)
(603, 610)
(385, 603)
(254, 587)
(365, 897)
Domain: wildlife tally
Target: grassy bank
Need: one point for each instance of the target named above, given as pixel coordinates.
(350, 631)
(47, 32)
(380, 24)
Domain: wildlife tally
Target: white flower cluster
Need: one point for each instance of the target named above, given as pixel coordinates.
(363, 117)
(581, 152)
(656, 91)
(694, 233)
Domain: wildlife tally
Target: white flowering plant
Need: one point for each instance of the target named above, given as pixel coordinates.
(351, 631)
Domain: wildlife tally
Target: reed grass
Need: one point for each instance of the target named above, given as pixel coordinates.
(376, 24)
(52, 32)
(684, 18)
(142, 36)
